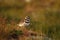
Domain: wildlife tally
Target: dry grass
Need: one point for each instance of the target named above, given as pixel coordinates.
(45, 16)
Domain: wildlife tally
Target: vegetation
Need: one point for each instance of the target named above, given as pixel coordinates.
(45, 17)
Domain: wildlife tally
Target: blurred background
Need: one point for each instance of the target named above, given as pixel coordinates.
(45, 16)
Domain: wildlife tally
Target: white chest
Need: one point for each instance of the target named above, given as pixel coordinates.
(24, 24)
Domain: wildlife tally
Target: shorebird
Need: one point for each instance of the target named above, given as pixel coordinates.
(26, 22)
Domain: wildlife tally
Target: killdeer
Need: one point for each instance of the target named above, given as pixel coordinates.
(26, 22)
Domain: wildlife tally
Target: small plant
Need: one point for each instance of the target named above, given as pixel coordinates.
(17, 32)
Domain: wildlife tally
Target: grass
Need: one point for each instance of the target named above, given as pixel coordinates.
(46, 20)
(50, 26)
